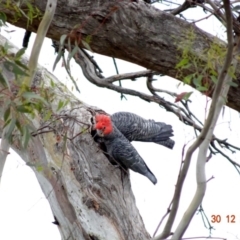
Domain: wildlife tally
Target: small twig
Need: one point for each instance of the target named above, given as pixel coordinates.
(42, 132)
(98, 69)
(171, 2)
(204, 18)
(205, 218)
(132, 76)
(84, 130)
(220, 238)
(212, 177)
(119, 81)
(235, 164)
(209, 157)
(217, 10)
(163, 217)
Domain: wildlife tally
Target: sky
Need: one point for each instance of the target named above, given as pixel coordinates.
(24, 210)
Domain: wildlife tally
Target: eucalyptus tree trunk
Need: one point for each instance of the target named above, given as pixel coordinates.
(130, 30)
(89, 197)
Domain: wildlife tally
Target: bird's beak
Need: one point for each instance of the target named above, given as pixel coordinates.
(100, 133)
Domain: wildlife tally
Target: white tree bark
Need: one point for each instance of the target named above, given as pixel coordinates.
(89, 197)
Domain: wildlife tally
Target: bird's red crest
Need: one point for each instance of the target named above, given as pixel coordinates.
(103, 123)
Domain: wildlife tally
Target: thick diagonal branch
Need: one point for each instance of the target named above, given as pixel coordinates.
(151, 41)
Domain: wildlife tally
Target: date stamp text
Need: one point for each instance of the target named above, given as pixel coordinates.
(228, 218)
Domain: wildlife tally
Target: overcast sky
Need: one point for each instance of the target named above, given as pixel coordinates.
(24, 210)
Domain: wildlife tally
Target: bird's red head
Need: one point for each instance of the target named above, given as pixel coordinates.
(103, 124)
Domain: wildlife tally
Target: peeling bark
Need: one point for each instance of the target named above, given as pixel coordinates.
(133, 31)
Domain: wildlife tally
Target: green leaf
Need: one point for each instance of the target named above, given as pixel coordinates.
(198, 81)
(19, 127)
(202, 88)
(3, 19)
(4, 81)
(77, 26)
(86, 45)
(231, 72)
(31, 95)
(187, 95)
(20, 53)
(60, 51)
(52, 83)
(3, 50)
(69, 45)
(69, 74)
(213, 72)
(7, 114)
(214, 79)
(71, 54)
(30, 164)
(232, 84)
(62, 40)
(88, 39)
(10, 129)
(39, 168)
(225, 99)
(12, 67)
(7, 46)
(188, 78)
(23, 109)
(47, 116)
(60, 105)
(66, 102)
(26, 136)
(19, 63)
(182, 63)
(23, 13)
(60, 54)
(6, 123)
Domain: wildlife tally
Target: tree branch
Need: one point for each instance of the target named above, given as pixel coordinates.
(41, 34)
(160, 54)
(218, 101)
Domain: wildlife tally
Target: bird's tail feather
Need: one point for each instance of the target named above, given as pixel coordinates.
(151, 177)
(169, 143)
(166, 131)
